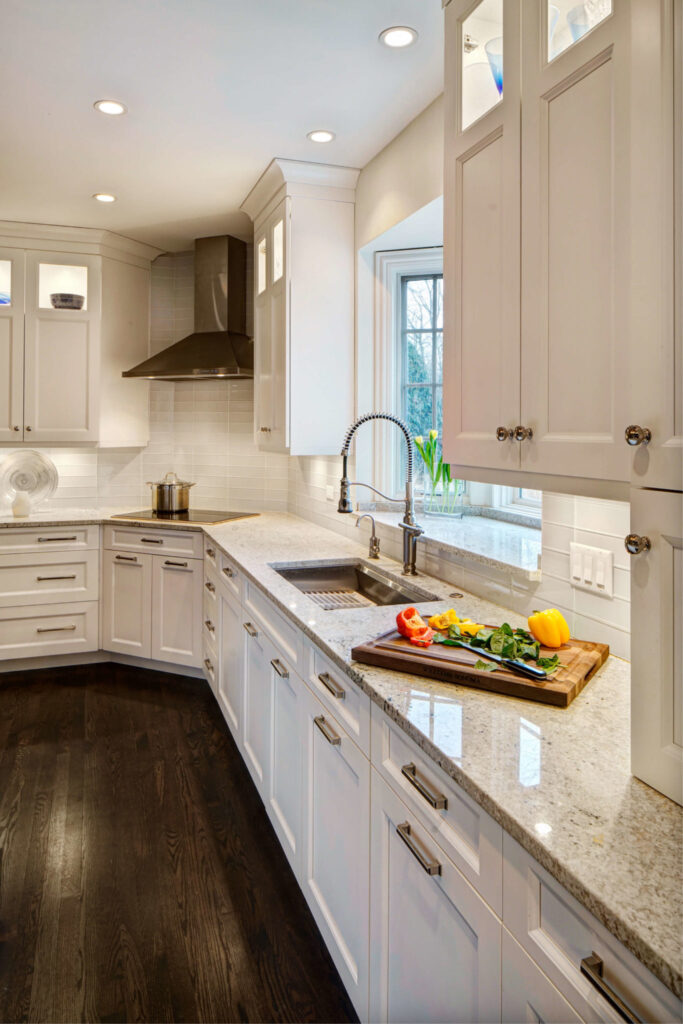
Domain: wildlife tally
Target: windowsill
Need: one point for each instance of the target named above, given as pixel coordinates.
(503, 546)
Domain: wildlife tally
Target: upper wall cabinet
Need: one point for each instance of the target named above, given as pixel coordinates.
(74, 313)
(559, 196)
(304, 270)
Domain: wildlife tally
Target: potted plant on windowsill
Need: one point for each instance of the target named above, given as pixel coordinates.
(443, 494)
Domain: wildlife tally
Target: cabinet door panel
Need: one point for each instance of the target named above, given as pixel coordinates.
(231, 674)
(657, 661)
(527, 994)
(176, 610)
(435, 945)
(336, 845)
(12, 349)
(481, 258)
(258, 652)
(575, 256)
(126, 603)
(285, 790)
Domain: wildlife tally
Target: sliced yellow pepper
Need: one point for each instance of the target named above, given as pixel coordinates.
(444, 619)
(470, 628)
(549, 627)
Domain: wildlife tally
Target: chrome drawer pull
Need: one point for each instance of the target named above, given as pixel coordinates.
(250, 629)
(228, 572)
(437, 800)
(210, 587)
(280, 668)
(210, 553)
(209, 666)
(41, 579)
(332, 685)
(592, 967)
(151, 540)
(209, 625)
(126, 558)
(54, 629)
(431, 866)
(328, 733)
(175, 565)
(53, 540)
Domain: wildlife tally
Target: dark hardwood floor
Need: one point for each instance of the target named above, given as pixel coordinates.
(140, 879)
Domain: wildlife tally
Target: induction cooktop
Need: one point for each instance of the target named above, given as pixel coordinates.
(194, 515)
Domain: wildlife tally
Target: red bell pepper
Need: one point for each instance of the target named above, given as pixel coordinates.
(423, 639)
(409, 622)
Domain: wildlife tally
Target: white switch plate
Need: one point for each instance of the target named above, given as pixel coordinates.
(591, 569)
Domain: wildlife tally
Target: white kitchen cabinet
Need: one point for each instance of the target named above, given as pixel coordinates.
(177, 586)
(258, 652)
(284, 789)
(336, 782)
(61, 369)
(48, 577)
(574, 215)
(527, 994)
(126, 603)
(231, 667)
(434, 943)
(304, 274)
(657, 654)
(32, 631)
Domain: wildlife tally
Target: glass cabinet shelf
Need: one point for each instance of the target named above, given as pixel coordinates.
(482, 60)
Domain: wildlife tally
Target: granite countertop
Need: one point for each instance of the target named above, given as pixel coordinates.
(557, 779)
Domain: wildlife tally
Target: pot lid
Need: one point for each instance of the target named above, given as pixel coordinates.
(170, 480)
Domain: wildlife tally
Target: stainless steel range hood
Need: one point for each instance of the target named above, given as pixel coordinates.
(219, 347)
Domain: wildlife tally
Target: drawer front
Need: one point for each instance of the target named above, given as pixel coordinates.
(210, 616)
(527, 994)
(470, 837)
(558, 933)
(340, 695)
(36, 631)
(210, 665)
(51, 538)
(210, 594)
(48, 577)
(230, 575)
(211, 553)
(154, 541)
(285, 635)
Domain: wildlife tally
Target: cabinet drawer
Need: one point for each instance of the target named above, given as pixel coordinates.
(210, 552)
(527, 994)
(48, 577)
(210, 594)
(341, 696)
(230, 575)
(50, 538)
(558, 933)
(154, 541)
(470, 837)
(210, 617)
(285, 635)
(35, 631)
(210, 665)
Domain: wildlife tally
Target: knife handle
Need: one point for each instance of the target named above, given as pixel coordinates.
(525, 670)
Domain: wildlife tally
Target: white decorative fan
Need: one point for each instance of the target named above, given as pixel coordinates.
(27, 479)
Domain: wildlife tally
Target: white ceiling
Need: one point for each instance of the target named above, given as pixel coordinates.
(215, 89)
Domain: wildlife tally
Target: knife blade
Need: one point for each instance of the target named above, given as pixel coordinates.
(530, 671)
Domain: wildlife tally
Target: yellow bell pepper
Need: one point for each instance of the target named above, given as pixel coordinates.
(549, 627)
(470, 628)
(444, 620)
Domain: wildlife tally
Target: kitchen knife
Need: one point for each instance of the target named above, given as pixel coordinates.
(530, 671)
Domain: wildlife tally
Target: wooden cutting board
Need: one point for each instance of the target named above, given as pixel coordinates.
(581, 659)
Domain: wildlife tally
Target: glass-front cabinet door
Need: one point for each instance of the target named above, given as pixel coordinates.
(61, 359)
(11, 345)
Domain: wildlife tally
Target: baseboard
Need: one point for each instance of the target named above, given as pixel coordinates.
(94, 658)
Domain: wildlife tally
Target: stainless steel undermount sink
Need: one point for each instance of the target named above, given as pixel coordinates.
(350, 584)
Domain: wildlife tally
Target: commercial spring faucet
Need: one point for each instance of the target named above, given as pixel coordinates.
(411, 531)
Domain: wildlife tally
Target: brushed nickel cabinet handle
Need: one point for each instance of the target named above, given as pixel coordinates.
(332, 685)
(208, 665)
(503, 434)
(635, 545)
(210, 587)
(592, 968)
(175, 565)
(329, 734)
(436, 800)
(228, 572)
(250, 629)
(54, 629)
(636, 435)
(42, 579)
(523, 433)
(210, 553)
(209, 625)
(430, 865)
(151, 540)
(280, 668)
(53, 540)
(127, 558)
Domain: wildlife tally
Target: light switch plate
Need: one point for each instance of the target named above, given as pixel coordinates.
(591, 569)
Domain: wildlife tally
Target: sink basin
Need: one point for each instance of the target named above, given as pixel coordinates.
(351, 584)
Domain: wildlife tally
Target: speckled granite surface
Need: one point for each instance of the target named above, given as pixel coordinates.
(558, 780)
(89, 517)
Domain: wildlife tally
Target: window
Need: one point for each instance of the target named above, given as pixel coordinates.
(517, 500)
(421, 348)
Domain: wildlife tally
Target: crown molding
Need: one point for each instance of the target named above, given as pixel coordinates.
(94, 241)
(299, 176)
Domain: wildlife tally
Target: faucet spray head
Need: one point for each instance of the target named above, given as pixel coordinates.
(345, 504)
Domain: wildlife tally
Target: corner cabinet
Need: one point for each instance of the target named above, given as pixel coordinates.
(559, 295)
(304, 274)
(60, 368)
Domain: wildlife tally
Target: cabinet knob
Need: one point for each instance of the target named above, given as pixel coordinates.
(523, 433)
(635, 544)
(265, 430)
(503, 434)
(636, 435)
(17, 429)
(27, 429)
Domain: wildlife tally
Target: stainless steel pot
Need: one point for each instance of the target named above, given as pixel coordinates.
(170, 494)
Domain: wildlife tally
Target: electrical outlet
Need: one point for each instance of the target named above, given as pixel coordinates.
(329, 492)
(591, 569)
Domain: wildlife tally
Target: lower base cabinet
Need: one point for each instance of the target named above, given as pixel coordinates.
(284, 788)
(231, 663)
(527, 994)
(434, 943)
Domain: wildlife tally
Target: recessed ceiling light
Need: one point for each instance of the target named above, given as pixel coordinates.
(398, 36)
(112, 107)
(320, 135)
(104, 197)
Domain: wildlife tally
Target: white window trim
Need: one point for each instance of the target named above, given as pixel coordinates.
(390, 267)
(507, 499)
